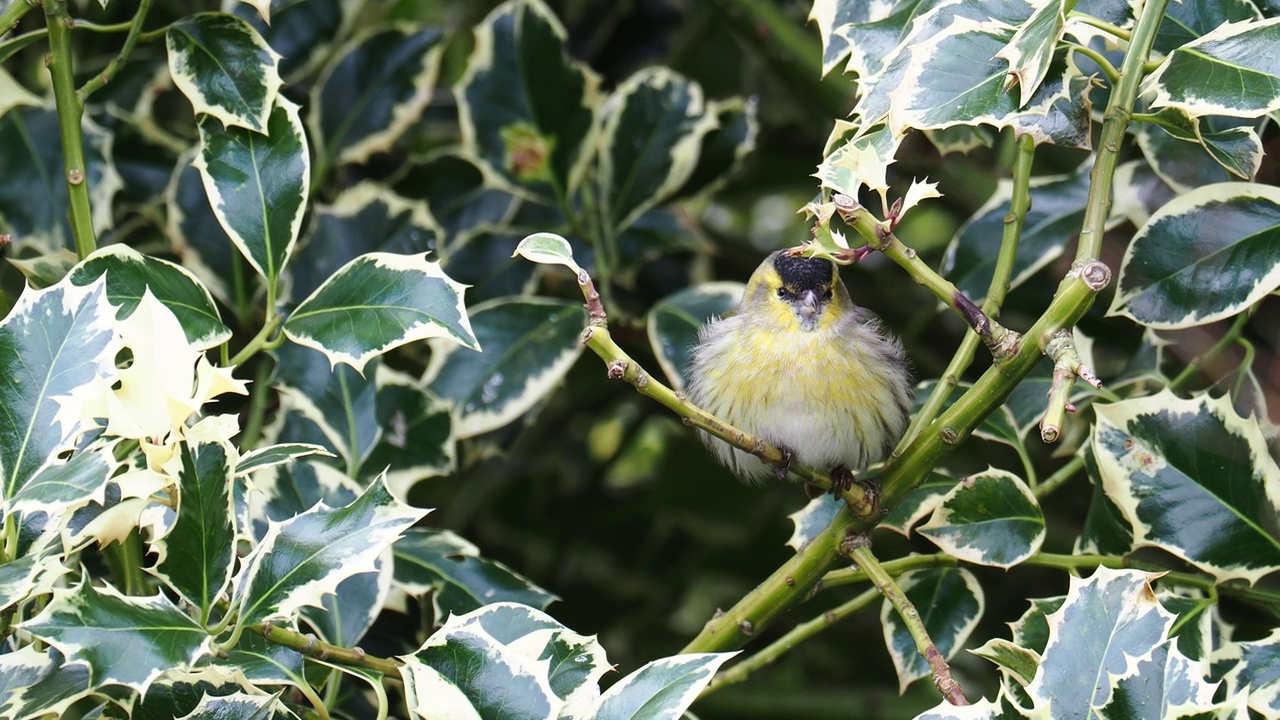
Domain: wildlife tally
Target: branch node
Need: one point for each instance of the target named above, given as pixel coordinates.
(746, 628)
(948, 435)
(617, 369)
(1096, 275)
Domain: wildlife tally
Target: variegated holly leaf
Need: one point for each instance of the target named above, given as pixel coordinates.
(375, 89)
(810, 520)
(1105, 530)
(36, 570)
(1190, 19)
(61, 486)
(238, 705)
(1254, 672)
(547, 249)
(864, 32)
(450, 568)
(258, 185)
(1140, 191)
(455, 190)
(950, 603)
(337, 403)
(919, 503)
(124, 640)
(653, 129)
(286, 491)
(674, 322)
(363, 219)
(1002, 708)
(1015, 662)
(486, 262)
(34, 205)
(664, 687)
(533, 131)
(34, 683)
(1106, 622)
(1193, 479)
(194, 229)
(225, 69)
(267, 456)
(377, 302)
(302, 33)
(130, 273)
(529, 344)
(195, 556)
(347, 614)
(261, 662)
(1199, 149)
(504, 659)
(1206, 255)
(54, 345)
(417, 440)
(46, 270)
(1030, 50)
(990, 518)
(1231, 71)
(724, 147)
(1057, 208)
(308, 555)
(1167, 684)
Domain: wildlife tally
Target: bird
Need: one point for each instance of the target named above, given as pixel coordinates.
(800, 366)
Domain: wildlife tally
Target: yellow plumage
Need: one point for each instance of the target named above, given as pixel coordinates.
(800, 366)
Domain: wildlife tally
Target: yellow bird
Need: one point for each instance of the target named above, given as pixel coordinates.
(803, 368)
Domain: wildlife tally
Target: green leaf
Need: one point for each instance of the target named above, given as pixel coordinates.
(533, 131)
(130, 273)
(547, 249)
(1188, 20)
(1057, 209)
(918, 503)
(1166, 684)
(347, 614)
(195, 557)
(1231, 71)
(660, 689)
(263, 663)
(193, 227)
(529, 344)
(653, 129)
(340, 403)
(124, 640)
(1193, 479)
(375, 90)
(238, 705)
(1188, 152)
(258, 186)
(33, 191)
(363, 219)
(308, 555)
(1031, 48)
(673, 323)
(1014, 661)
(503, 660)
(224, 68)
(33, 683)
(60, 487)
(459, 580)
(265, 457)
(1106, 622)
(990, 519)
(950, 603)
(1206, 255)
(377, 302)
(455, 190)
(417, 440)
(53, 345)
(46, 270)
(723, 147)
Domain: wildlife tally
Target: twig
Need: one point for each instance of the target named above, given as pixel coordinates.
(311, 646)
(1061, 348)
(860, 553)
(70, 111)
(98, 81)
(1229, 337)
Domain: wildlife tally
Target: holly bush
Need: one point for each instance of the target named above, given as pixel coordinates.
(282, 276)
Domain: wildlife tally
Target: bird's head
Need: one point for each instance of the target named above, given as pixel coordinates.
(792, 289)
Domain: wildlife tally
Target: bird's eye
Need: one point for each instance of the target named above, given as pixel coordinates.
(782, 292)
(826, 295)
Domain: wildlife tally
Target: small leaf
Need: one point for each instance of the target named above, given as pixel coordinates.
(60, 487)
(258, 186)
(811, 519)
(377, 302)
(918, 503)
(547, 249)
(308, 555)
(532, 131)
(1014, 661)
(529, 344)
(34, 683)
(674, 322)
(1031, 48)
(265, 457)
(47, 270)
(236, 705)
(459, 580)
(195, 557)
(346, 615)
(1107, 620)
(1255, 673)
(124, 640)
(950, 603)
(1231, 71)
(224, 68)
(375, 90)
(130, 273)
(195, 231)
(1206, 255)
(54, 345)
(1194, 479)
(990, 518)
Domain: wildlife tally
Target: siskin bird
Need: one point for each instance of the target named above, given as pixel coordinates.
(798, 365)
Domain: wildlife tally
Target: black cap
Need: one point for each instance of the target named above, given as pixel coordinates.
(802, 273)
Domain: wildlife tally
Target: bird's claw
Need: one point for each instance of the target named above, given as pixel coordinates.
(785, 468)
(841, 480)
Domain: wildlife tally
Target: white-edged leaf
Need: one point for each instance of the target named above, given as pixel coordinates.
(663, 688)
(673, 323)
(1231, 71)
(458, 579)
(547, 249)
(225, 69)
(377, 302)
(949, 601)
(990, 518)
(267, 456)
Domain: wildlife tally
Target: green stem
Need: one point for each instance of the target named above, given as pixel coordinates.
(1060, 476)
(903, 472)
(1227, 339)
(310, 646)
(135, 28)
(1101, 60)
(1014, 221)
(1100, 24)
(70, 111)
(259, 342)
(124, 558)
(13, 13)
(798, 634)
(942, 679)
(259, 397)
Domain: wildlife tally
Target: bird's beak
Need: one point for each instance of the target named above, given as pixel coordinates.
(808, 304)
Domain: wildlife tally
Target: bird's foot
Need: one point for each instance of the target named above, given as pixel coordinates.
(841, 479)
(785, 468)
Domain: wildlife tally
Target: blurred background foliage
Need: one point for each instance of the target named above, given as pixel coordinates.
(603, 497)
